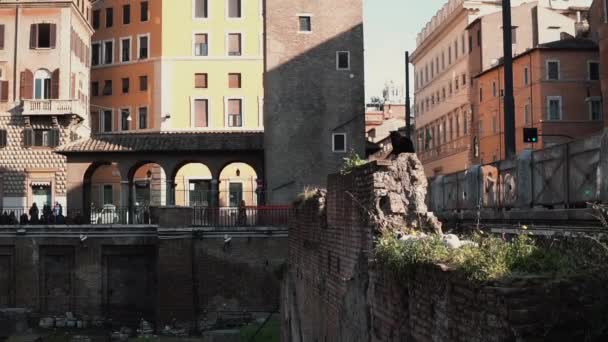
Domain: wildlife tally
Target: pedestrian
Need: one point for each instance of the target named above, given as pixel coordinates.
(242, 218)
(34, 214)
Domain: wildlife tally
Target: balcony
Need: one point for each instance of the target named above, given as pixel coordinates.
(53, 107)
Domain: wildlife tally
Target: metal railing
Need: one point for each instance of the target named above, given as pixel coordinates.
(204, 216)
(94, 216)
(258, 216)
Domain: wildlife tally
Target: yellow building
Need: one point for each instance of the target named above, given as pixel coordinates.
(177, 66)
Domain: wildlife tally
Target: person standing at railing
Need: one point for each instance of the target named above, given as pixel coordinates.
(34, 214)
(242, 214)
(58, 213)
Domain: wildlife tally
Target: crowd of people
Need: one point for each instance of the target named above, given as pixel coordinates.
(48, 215)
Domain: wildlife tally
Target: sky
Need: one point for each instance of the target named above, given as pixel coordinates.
(390, 28)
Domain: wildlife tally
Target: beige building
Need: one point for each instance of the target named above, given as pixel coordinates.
(446, 59)
(44, 96)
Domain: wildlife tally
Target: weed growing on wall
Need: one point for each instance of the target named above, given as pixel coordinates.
(351, 162)
(492, 257)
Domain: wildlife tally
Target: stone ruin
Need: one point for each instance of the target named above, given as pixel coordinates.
(400, 198)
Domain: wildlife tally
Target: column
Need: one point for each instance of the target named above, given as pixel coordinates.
(214, 201)
(123, 208)
(170, 192)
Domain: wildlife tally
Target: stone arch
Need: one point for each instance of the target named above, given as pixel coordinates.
(192, 183)
(238, 182)
(148, 181)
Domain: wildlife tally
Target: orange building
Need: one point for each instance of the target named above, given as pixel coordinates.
(556, 89)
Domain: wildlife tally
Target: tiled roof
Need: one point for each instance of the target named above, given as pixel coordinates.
(570, 43)
(168, 142)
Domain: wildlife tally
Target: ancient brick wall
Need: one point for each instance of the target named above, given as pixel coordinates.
(128, 273)
(333, 291)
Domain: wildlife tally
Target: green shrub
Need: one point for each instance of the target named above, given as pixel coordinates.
(494, 258)
(351, 162)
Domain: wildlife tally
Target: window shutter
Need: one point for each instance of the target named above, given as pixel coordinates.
(53, 35)
(1, 37)
(73, 86)
(55, 84)
(27, 84)
(54, 138)
(33, 36)
(28, 137)
(3, 138)
(3, 91)
(95, 117)
(200, 113)
(234, 107)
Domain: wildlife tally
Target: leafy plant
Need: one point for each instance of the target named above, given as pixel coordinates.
(351, 162)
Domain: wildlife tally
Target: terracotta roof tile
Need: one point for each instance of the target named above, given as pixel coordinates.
(168, 142)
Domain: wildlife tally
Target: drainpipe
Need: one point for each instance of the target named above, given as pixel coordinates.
(15, 54)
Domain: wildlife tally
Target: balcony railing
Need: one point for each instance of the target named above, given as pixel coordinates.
(53, 107)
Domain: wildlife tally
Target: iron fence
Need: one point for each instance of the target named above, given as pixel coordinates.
(259, 216)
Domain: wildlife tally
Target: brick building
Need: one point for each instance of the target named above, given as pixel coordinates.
(462, 40)
(557, 90)
(314, 103)
(598, 31)
(44, 96)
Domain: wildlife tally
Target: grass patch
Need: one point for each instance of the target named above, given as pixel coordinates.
(270, 333)
(494, 257)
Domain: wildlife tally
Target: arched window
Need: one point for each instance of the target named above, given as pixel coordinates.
(42, 84)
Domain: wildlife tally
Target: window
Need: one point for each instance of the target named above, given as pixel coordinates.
(107, 87)
(494, 88)
(234, 44)
(456, 49)
(235, 191)
(464, 79)
(234, 8)
(125, 118)
(479, 37)
(305, 23)
(108, 194)
(343, 60)
(201, 46)
(143, 83)
(595, 109)
(45, 137)
(1, 37)
(108, 52)
(235, 113)
(470, 44)
(554, 108)
(126, 14)
(339, 142)
(125, 48)
(96, 19)
(553, 70)
(143, 46)
(95, 88)
(42, 84)
(143, 117)
(480, 94)
(200, 112)
(526, 76)
(449, 55)
(234, 80)
(494, 124)
(514, 35)
(43, 36)
(125, 85)
(593, 71)
(3, 138)
(527, 115)
(143, 11)
(201, 9)
(200, 80)
(109, 17)
(95, 54)
(106, 121)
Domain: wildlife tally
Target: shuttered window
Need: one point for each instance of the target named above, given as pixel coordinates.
(95, 88)
(3, 91)
(200, 113)
(234, 80)
(143, 47)
(96, 19)
(200, 9)
(28, 137)
(201, 47)
(234, 44)
(235, 114)
(109, 17)
(143, 83)
(27, 84)
(234, 8)
(125, 85)
(1, 37)
(200, 80)
(107, 88)
(3, 138)
(143, 117)
(43, 36)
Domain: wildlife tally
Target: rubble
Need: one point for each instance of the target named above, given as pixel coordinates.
(400, 194)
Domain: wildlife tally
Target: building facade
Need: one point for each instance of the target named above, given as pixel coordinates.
(462, 40)
(194, 68)
(598, 31)
(44, 97)
(557, 90)
(314, 110)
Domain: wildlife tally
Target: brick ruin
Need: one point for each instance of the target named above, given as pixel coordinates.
(333, 290)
